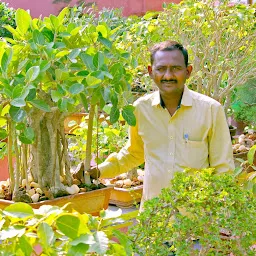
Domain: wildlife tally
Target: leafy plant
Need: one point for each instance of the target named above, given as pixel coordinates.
(198, 206)
(56, 231)
(218, 35)
(244, 104)
(7, 17)
(246, 172)
(55, 67)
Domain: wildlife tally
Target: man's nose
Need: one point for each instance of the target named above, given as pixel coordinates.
(168, 74)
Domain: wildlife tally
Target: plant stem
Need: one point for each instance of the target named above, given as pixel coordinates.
(88, 156)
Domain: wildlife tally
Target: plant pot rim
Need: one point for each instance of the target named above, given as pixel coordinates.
(76, 200)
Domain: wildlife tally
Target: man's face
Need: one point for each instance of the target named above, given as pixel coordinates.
(169, 71)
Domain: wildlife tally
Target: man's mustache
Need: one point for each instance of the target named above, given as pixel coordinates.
(170, 80)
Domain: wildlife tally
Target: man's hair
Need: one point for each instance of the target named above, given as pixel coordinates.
(168, 46)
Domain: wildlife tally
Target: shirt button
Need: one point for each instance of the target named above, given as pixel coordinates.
(171, 137)
(171, 154)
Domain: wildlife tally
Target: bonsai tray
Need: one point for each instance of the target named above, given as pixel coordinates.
(91, 202)
(126, 197)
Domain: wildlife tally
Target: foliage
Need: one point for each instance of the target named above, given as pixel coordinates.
(244, 105)
(53, 67)
(57, 231)
(106, 140)
(220, 39)
(7, 17)
(213, 204)
(246, 172)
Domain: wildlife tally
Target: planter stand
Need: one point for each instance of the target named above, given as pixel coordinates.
(126, 197)
(91, 202)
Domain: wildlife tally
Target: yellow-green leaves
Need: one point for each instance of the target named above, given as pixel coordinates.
(23, 20)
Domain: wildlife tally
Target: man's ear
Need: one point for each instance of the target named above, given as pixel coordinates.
(189, 70)
(150, 71)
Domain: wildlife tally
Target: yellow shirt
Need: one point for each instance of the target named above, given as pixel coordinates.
(196, 136)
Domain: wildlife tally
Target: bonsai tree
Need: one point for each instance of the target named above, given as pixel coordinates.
(219, 36)
(198, 206)
(52, 68)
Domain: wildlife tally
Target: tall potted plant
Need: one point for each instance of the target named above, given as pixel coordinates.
(51, 68)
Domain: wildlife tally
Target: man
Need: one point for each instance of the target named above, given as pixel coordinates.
(175, 127)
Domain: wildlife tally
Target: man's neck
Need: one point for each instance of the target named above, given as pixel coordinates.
(171, 101)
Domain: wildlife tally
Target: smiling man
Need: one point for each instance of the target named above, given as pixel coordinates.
(176, 127)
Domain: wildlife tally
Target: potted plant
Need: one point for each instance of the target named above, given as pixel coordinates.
(201, 213)
(51, 68)
(127, 187)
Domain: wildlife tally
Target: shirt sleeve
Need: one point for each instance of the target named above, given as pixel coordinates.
(220, 146)
(130, 156)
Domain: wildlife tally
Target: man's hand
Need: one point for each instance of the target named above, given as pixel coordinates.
(94, 172)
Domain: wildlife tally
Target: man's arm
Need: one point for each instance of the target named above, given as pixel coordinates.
(220, 146)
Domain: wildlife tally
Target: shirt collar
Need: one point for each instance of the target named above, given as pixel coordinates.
(186, 99)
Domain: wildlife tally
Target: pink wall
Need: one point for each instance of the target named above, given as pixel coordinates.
(45, 7)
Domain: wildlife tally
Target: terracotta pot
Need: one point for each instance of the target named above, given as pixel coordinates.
(86, 202)
(4, 173)
(126, 197)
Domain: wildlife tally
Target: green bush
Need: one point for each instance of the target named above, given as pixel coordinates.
(7, 17)
(219, 213)
(57, 231)
(244, 104)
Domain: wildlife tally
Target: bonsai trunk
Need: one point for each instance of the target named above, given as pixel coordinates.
(45, 159)
(88, 157)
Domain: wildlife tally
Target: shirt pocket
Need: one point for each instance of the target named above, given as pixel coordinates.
(195, 154)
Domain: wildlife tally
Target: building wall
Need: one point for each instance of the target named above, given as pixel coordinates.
(46, 7)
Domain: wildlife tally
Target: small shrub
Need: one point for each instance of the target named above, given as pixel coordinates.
(219, 214)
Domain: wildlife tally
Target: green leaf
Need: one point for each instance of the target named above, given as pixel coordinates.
(128, 115)
(84, 101)
(45, 65)
(251, 154)
(74, 53)
(76, 88)
(254, 189)
(92, 81)
(46, 235)
(4, 62)
(101, 245)
(23, 20)
(55, 95)
(107, 74)
(68, 224)
(114, 114)
(64, 12)
(12, 231)
(62, 53)
(17, 114)
(117, 71)
(38, 37)
(105, 42)
(32, 74)
(78, 250)
(124, 241)
(114, 98)
(25, 246)
(19, 210)
(3, 134)
(88, 61)
(40, 105)
(103, 30)
(98, 60)
(85, 239)
(18, 102)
